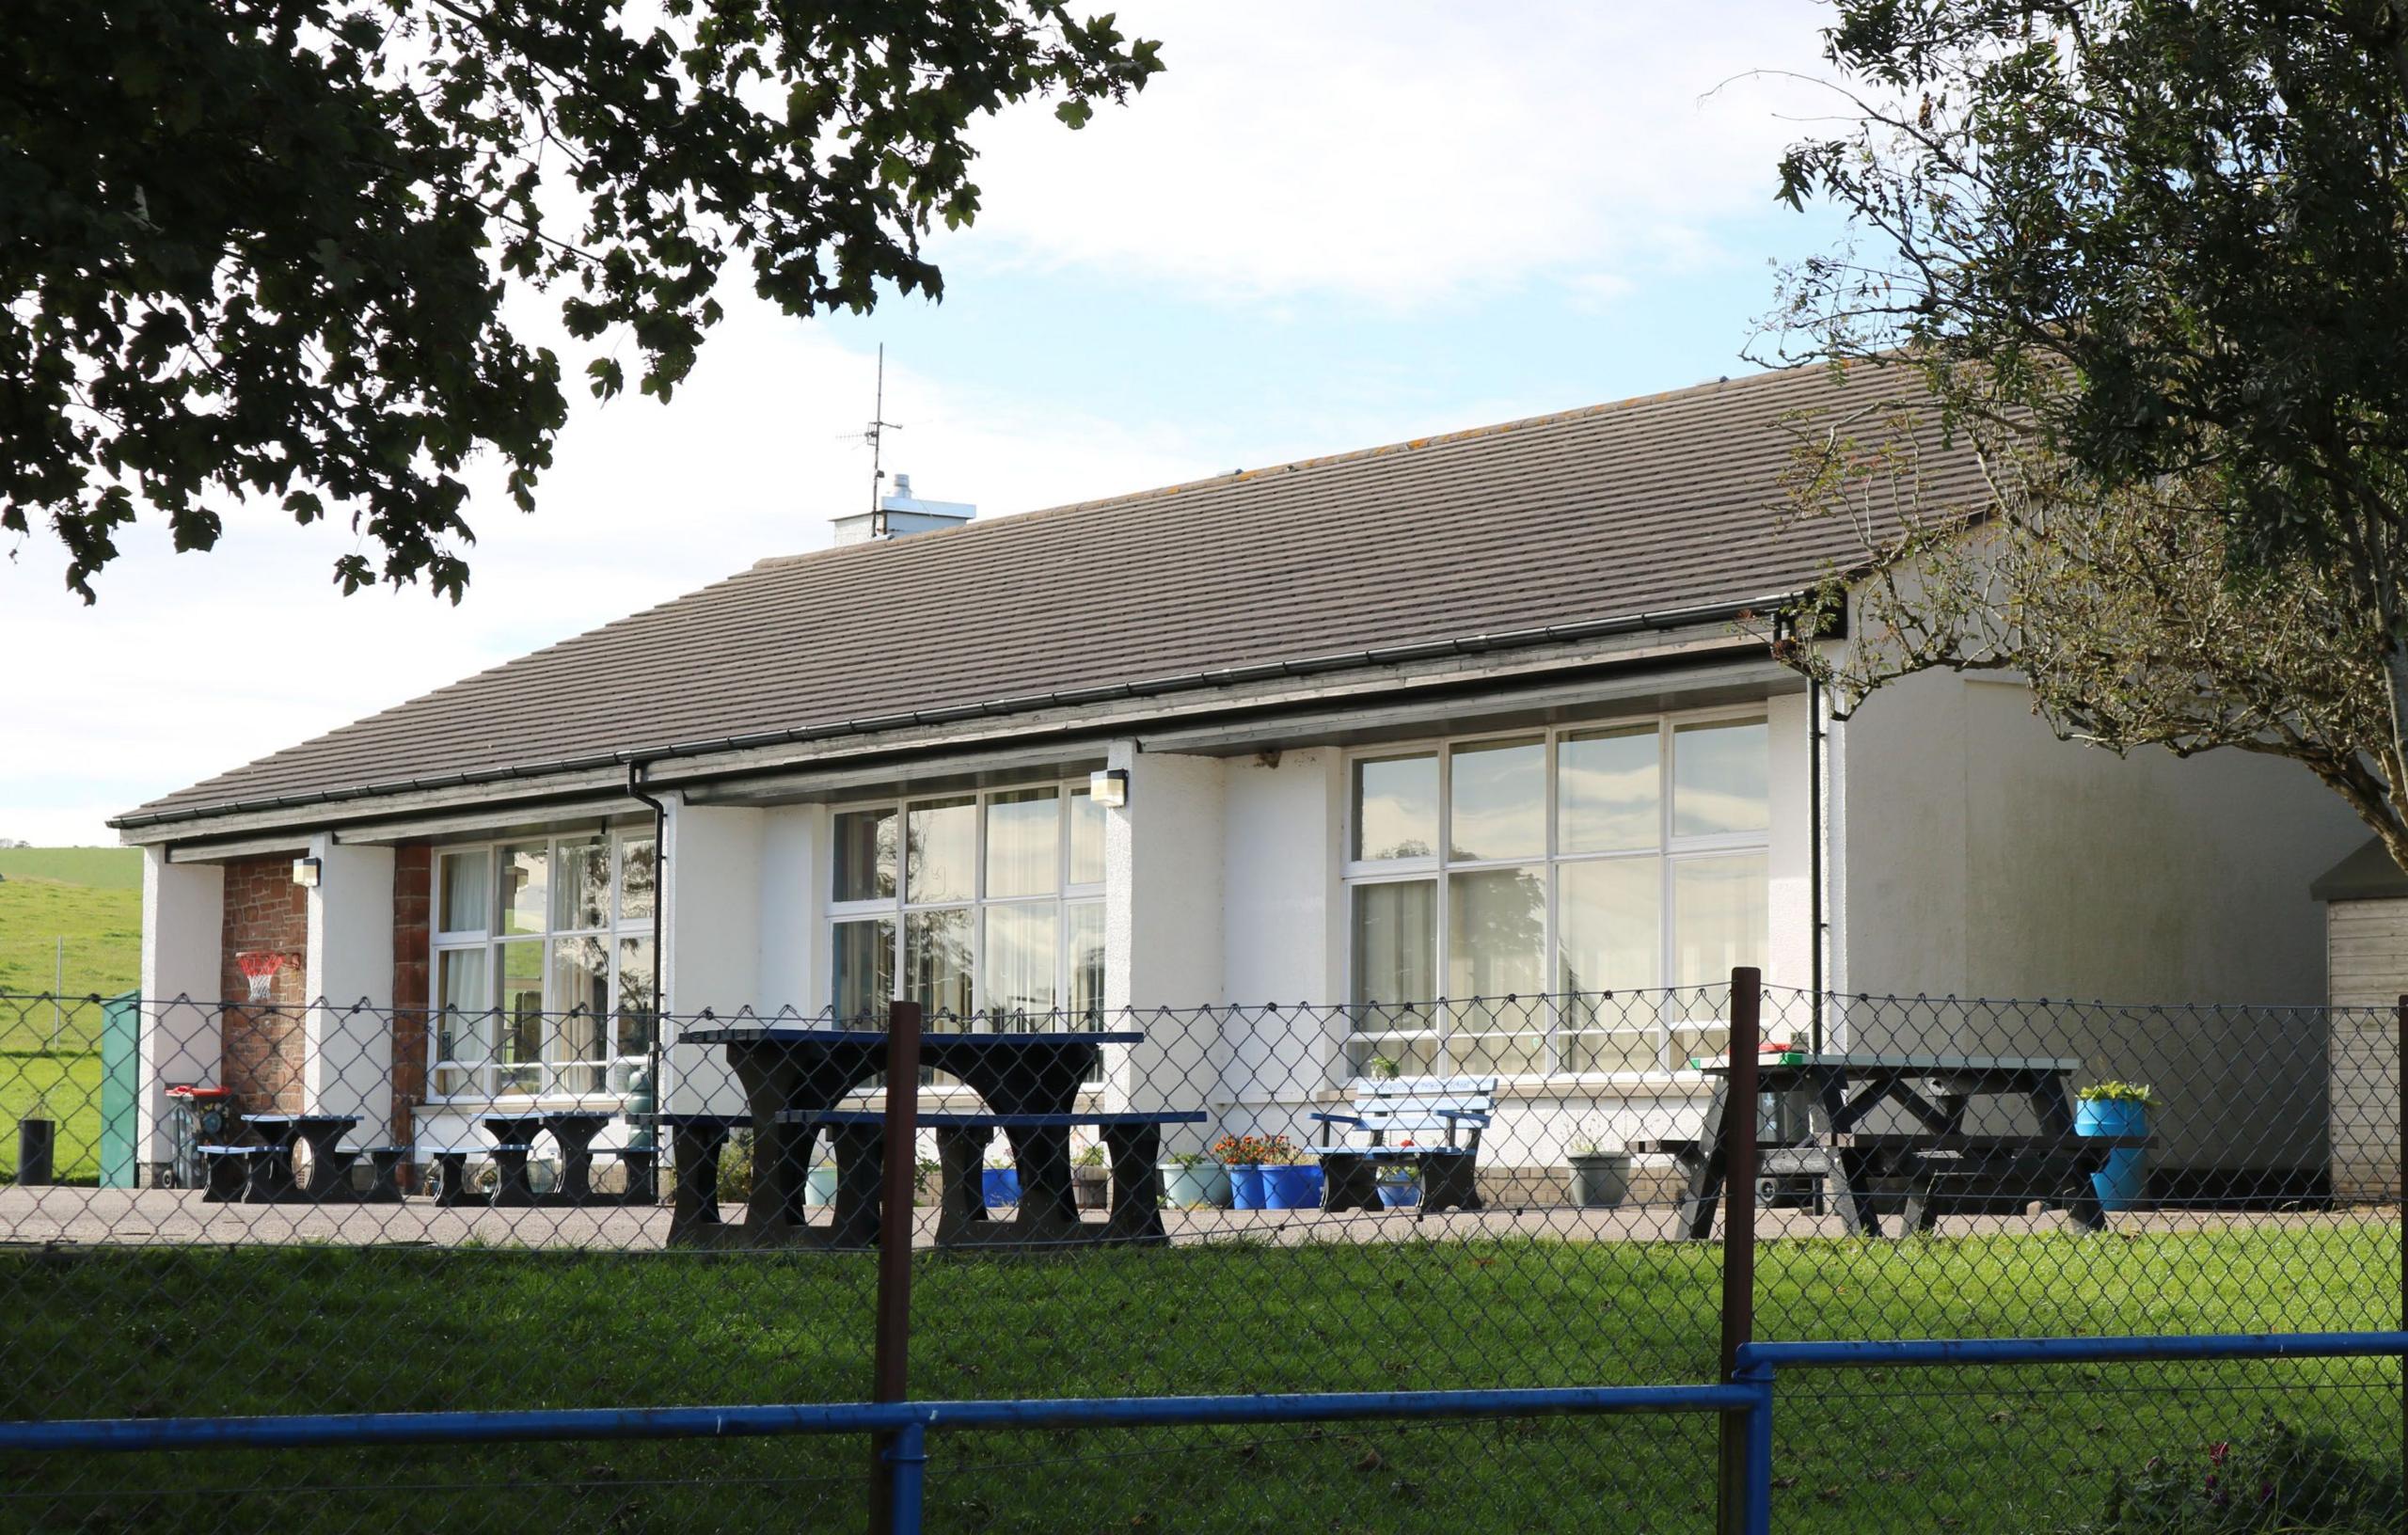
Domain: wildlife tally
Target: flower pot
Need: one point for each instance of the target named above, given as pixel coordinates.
(1600, 1180)
(2119, 1184)
(819, 1186)
(1245, 1187)
(1090, 1187)
(1291, 1188)
(999, 1186)
(1398, 1193)
(1193, 1185)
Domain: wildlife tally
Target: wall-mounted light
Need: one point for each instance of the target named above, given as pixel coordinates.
(1110, 786)
(306, 872)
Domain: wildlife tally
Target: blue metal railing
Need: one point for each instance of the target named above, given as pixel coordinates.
(1759, 1364)
(907, 1423)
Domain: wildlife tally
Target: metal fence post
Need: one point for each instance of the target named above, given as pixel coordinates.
(1739, 1110)
(2400, 1113)
(892, 1366)
(907, 1458)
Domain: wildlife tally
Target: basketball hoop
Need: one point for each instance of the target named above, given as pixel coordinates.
(259, 968)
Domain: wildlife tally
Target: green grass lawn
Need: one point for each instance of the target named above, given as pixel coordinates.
(102, 1331)
(103, 869)
(64, 1089)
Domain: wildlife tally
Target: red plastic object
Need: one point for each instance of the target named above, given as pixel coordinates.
(187, 1090)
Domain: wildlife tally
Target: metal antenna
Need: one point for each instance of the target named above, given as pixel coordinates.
(876, 437)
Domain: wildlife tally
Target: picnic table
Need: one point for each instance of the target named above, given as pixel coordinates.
(796, 1079)
(1946, 1168)
(282, 1133)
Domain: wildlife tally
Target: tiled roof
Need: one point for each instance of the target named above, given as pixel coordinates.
(1667, 502)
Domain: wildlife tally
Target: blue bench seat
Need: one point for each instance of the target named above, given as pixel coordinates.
(1397, 1110)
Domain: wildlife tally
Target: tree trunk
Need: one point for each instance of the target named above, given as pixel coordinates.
(2394, 765)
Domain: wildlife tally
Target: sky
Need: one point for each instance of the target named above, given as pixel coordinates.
(1325, 226)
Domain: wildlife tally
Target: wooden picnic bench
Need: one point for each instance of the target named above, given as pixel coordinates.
(1946, 1168)
(1408, 1108)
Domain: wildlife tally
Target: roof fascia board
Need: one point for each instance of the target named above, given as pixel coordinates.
(614, 807)
(1757, 677)
(295, 843)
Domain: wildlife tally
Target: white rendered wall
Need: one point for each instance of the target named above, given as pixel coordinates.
(348, 1064)
(1985, 858)
(795, 874)
(183, 923)
(1284, 931)
(711, 935)
(1789, 953)
(1163, 926)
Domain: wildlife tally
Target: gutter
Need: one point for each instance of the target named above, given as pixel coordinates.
(1028, 702)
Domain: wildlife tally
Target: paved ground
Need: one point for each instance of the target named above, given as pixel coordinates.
(171, 1216)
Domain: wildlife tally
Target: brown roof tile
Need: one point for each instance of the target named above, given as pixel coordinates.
(1670, 502)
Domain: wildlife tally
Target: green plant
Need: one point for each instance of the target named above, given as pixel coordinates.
(1386, 1068)
(1090, 1157)
(1187, 1159)
(1255, 1150)
(2117, 1092)
(2273, 1479)
(736, 1168)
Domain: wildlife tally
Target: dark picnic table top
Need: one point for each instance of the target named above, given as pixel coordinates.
(793, 1033)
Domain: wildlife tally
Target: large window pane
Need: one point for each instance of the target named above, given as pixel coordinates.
(1396, 807)
(638, 1000)
(1087, 839)
(943, 863)
(1719, 917)
(1496, 950)
(1086, 963)
(519, 1051)
(865, 855)
(1024, 842)
(1608, 939)
(639, 877)
(468, 881)
(524, 886)
(581, 1012)
(1496, 800)
(1608, 936)
(864, 972)
(581, 883)
(464, 1026)
(1608, 789)
(1396, 975)
(1022, 951)
(1720, 774)
(1396, 943)
(935, 957)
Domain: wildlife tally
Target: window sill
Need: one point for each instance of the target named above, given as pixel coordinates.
(548, 1102)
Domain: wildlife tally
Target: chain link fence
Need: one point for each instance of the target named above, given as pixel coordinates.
(274, 1207)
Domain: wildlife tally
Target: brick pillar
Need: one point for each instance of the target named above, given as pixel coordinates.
(413, 931)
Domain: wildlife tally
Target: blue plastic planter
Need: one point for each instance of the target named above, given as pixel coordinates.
(999, 1186)
(1398, 1193)
(1291, 1188)
(1246, 1188)
(2119, 1183)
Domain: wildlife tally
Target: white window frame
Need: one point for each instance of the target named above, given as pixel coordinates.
(1670, 850)
(483, 1075)
(900, 907)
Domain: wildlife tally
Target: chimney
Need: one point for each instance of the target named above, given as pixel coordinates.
(899, 514)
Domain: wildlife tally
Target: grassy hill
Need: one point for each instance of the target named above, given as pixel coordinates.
(102, 868)
(91, 898)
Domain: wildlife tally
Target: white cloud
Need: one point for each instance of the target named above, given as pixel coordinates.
(1400, 152)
